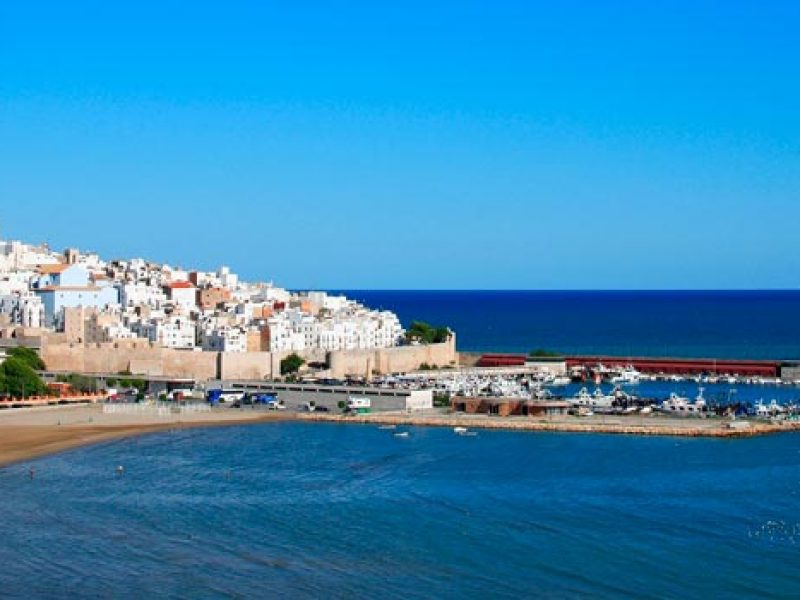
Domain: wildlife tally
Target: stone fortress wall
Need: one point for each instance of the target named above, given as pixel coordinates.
(144, 358)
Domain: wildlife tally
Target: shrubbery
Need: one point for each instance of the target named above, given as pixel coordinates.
(542, 353)
(427, 334)
(291, 364)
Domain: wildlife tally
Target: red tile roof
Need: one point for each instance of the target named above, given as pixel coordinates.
(53, 269)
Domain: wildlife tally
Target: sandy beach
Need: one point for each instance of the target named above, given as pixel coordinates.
(32, 432)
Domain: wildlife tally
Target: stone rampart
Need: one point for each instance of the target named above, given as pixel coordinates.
(246, 365)
(144, 358)
(364, 363)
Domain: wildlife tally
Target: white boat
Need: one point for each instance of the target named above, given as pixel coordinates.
(560, 381)
(678, 405)
(596, 400)
(401, 434)
(767, 411)
(460, 430)
(388, 427)
(627, 376)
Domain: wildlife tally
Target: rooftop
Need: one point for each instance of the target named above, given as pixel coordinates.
(52, 269)
(180, 285)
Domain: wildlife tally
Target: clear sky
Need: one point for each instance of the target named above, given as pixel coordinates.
(411, 144)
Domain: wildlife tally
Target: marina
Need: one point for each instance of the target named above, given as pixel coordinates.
(623, 391)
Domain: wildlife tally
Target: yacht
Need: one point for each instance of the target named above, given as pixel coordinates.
(766, 411)
(596, 400)
(678, 405)
(627, 376)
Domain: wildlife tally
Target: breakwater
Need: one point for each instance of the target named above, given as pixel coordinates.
(651, 426)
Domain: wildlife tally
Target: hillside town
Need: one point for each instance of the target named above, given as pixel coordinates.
(80, 298)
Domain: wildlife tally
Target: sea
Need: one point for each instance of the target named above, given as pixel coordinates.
(692, 324)
(302, 510)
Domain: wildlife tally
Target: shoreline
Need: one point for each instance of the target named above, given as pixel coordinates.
(28, 434)
(32, 433)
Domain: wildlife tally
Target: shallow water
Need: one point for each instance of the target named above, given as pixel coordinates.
(324, 510)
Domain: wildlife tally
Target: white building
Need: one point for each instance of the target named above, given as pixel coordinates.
(227, 279)
(138, 294)
(170, 332)
(224, 339)
(283, 338)
(24, 309)
(182, 293)
(67, 286)
(16, 255)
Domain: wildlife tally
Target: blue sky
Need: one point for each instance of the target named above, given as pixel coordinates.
(411, 145)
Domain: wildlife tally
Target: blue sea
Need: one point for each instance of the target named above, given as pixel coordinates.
(713, 324)
(293, 510)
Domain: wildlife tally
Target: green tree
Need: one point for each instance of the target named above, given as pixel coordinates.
(18, 379)
(420, 331)
(82, 383)
(291, 364)
(542, 353)
(28, 356)
(441, 400)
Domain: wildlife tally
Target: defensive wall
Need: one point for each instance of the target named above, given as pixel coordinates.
(144, 358)
(401, 359)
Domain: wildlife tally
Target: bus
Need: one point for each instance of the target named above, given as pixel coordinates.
(221, 396)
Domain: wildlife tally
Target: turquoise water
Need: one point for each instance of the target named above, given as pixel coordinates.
(343, 511)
